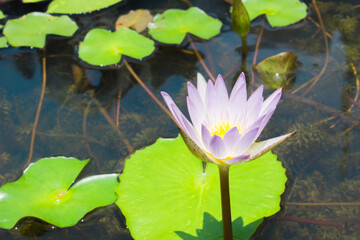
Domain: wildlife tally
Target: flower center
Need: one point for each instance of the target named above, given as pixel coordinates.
(222, 128)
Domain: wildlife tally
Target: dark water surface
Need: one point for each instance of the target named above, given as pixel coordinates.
(323, 159)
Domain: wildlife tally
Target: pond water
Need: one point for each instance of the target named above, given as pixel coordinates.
(322, 159)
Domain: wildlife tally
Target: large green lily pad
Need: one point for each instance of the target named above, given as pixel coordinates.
(31, 29)
(79, 6)
(172, 25)
(101, 47)
(44, 191)
(278, 12)
(164, 193)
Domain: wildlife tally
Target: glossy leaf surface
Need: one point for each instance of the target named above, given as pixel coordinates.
(31, 29)
(101, 47)
(44, 191)
(172, 25)
(79, 6)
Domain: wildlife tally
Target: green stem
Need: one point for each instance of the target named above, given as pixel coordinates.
(244, 45)
(225, 202)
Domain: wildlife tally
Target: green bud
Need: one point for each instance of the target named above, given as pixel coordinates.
(240, 18)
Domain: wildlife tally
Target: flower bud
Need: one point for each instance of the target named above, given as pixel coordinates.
(240, 18)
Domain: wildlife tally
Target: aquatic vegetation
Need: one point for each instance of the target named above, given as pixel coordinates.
(101, 47)
(137, 20)
(172, 26)
(2, 15)
(279, 13)
(46, 191)
(167, 181)
(278, 70)
(221, 132)
(78, 6)
(31, 29)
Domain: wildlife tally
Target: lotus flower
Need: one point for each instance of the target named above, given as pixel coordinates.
(224, 129)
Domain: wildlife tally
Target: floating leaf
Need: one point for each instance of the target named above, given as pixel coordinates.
(2, 15)
(43, 192)
(172, 25)
(79, 6)
(278, 70)
(31, 29)
(279, 13)
(137, 20)
(164, 193)
(101, 47)
(3, 42)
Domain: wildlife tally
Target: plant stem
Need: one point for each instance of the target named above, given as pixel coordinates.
(225, 202)
(244, 46)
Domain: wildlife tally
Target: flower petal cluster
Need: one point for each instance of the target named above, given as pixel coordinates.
(224, 128)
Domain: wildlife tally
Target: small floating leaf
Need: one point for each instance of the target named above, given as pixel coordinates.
(278, 70)
(3, 42)
(101, 47)
(172, 25)
(79, 6)
(43, 192)
(31, 29)
(137, 20)
(164, 193)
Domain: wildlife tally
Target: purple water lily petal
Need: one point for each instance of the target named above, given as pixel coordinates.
(258, 149)
(240, 82)
(206, 137)
(231, 138)
(271, 102)
(196, 114)
(253, 106)
(201, 86)
(221, 92)
(217, 147)
(237, 160)
(194, 95)
(169, 102)
(245, 142)
(211, 103)
(186, 126)
(237, 104)
(265, 120)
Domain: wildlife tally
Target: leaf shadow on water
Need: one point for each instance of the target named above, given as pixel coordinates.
(212, 229)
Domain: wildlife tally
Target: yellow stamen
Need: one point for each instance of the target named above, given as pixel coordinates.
(221, 129)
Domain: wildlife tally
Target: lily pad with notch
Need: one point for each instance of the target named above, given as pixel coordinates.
(79, 6)
(172, 26)
(45, 191)
(101, 47)
(31, 29)
(164, 193)
(279, 13)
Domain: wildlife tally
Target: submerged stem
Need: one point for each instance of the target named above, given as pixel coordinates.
(225, 202)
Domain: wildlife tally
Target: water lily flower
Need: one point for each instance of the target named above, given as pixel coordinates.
(224, 128)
